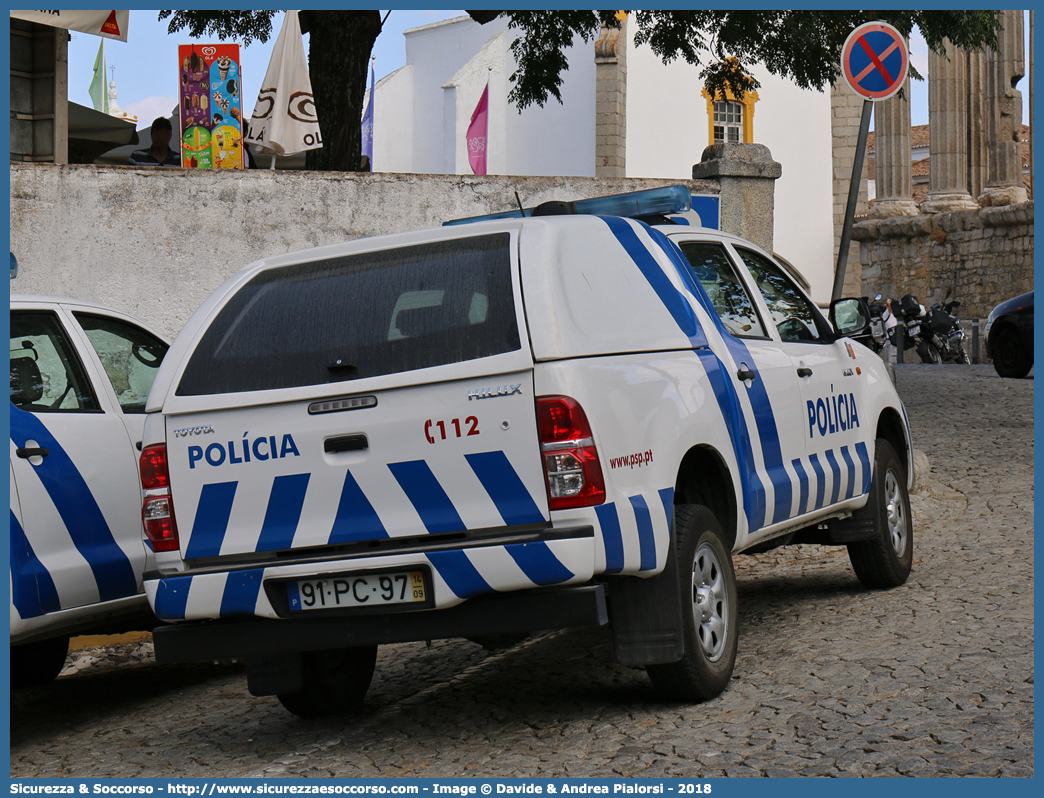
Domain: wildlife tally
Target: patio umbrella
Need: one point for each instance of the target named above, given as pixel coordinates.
(284, 119)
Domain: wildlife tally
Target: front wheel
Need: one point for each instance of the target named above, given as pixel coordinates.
(928, 353)
(708, 600)
(334, 682)
(1010, 357)
(886, 559)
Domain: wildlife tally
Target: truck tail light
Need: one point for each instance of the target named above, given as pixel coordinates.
(157, 511)
(573, 473)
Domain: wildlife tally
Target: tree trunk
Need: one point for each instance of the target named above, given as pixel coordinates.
(339, 47)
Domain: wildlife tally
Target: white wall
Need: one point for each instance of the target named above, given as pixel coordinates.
(156, 242)
(393, 126)
(668, 128)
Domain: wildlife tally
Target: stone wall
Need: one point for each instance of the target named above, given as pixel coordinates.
(155, 243)
(985, 255)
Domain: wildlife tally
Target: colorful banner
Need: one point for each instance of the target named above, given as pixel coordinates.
(476, 136)
(110, 24)
(211, 106)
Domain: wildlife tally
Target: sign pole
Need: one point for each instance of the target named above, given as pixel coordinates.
(853, 198)
(874, 61)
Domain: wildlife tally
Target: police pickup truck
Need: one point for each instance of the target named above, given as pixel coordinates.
(80, 375)
(575, 416)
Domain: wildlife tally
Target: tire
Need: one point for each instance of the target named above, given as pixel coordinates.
(929, 354)
(886, 559)
(708, 600)
(335, 682)
(37, 664)
(1010, 358)
(963, 358)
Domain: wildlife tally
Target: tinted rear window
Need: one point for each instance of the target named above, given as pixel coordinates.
(360, 316)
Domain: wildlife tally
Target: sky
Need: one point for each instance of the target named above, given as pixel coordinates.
(146, 65)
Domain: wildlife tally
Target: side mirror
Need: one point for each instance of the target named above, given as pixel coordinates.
(14, 266)
(851, 318)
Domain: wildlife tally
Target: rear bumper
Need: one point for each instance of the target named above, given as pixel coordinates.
(554, 557)
(523, 611)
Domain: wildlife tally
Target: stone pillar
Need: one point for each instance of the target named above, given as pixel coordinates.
(1004, 68)
(894, 157)
(846, 109)
(977, 149)
(611, 102)
(948, 138)
(747, 175)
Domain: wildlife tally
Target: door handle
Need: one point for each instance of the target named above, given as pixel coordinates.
(35, 451)
(804, 372)
(745, 374)
(346, 443)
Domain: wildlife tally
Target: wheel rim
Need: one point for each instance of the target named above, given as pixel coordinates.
(710, 603)
(896, 513)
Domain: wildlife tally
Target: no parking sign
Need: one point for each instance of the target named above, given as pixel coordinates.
(875, 60)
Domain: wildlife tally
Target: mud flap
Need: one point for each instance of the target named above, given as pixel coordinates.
(646, 616)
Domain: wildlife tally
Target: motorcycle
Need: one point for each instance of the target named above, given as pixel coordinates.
(943, 333)
(936, 334)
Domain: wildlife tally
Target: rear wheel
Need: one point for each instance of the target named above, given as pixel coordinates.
(708, 600)
(1009, 355)
(39, 663)
(886, 559)
(334, 681)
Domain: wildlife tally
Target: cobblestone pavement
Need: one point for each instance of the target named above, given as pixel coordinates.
(934, 678)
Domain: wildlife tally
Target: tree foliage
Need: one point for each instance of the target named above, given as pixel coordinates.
(804, 46)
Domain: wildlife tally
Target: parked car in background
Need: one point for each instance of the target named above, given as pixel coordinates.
(1009, 336)
(80, 375)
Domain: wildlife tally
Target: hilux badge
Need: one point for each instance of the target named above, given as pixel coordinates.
(500, 390)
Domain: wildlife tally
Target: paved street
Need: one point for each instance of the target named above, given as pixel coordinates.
(934, 678)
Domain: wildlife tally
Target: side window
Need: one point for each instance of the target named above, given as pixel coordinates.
(46, 373)
(796, 318)
(710, 265)
(129, 355)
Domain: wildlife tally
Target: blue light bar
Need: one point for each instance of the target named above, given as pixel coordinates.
(489, 217)
(669, 199)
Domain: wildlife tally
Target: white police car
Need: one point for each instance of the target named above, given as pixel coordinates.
(80, 375)
(509, 425)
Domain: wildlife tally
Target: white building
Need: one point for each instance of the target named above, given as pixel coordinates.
(423, 110)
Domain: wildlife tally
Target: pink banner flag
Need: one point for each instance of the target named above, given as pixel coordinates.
(477, 134)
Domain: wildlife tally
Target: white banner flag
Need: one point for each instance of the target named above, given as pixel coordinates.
(110, 24)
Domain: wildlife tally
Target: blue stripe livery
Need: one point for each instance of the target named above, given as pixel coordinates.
(864, 459)
(505, 488)
(459, 573)
(427, 496)
(835, 470)
(241, 591)
(356, 519)
(672, 299)
(667, 500)
(612, 537)
(820, 480)
(538, 563)
(850, 489)
(646, 541)
(172, 597)
(32, 590)
(212, 514)
(78, 509)
(284, 512)
(802, 485)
